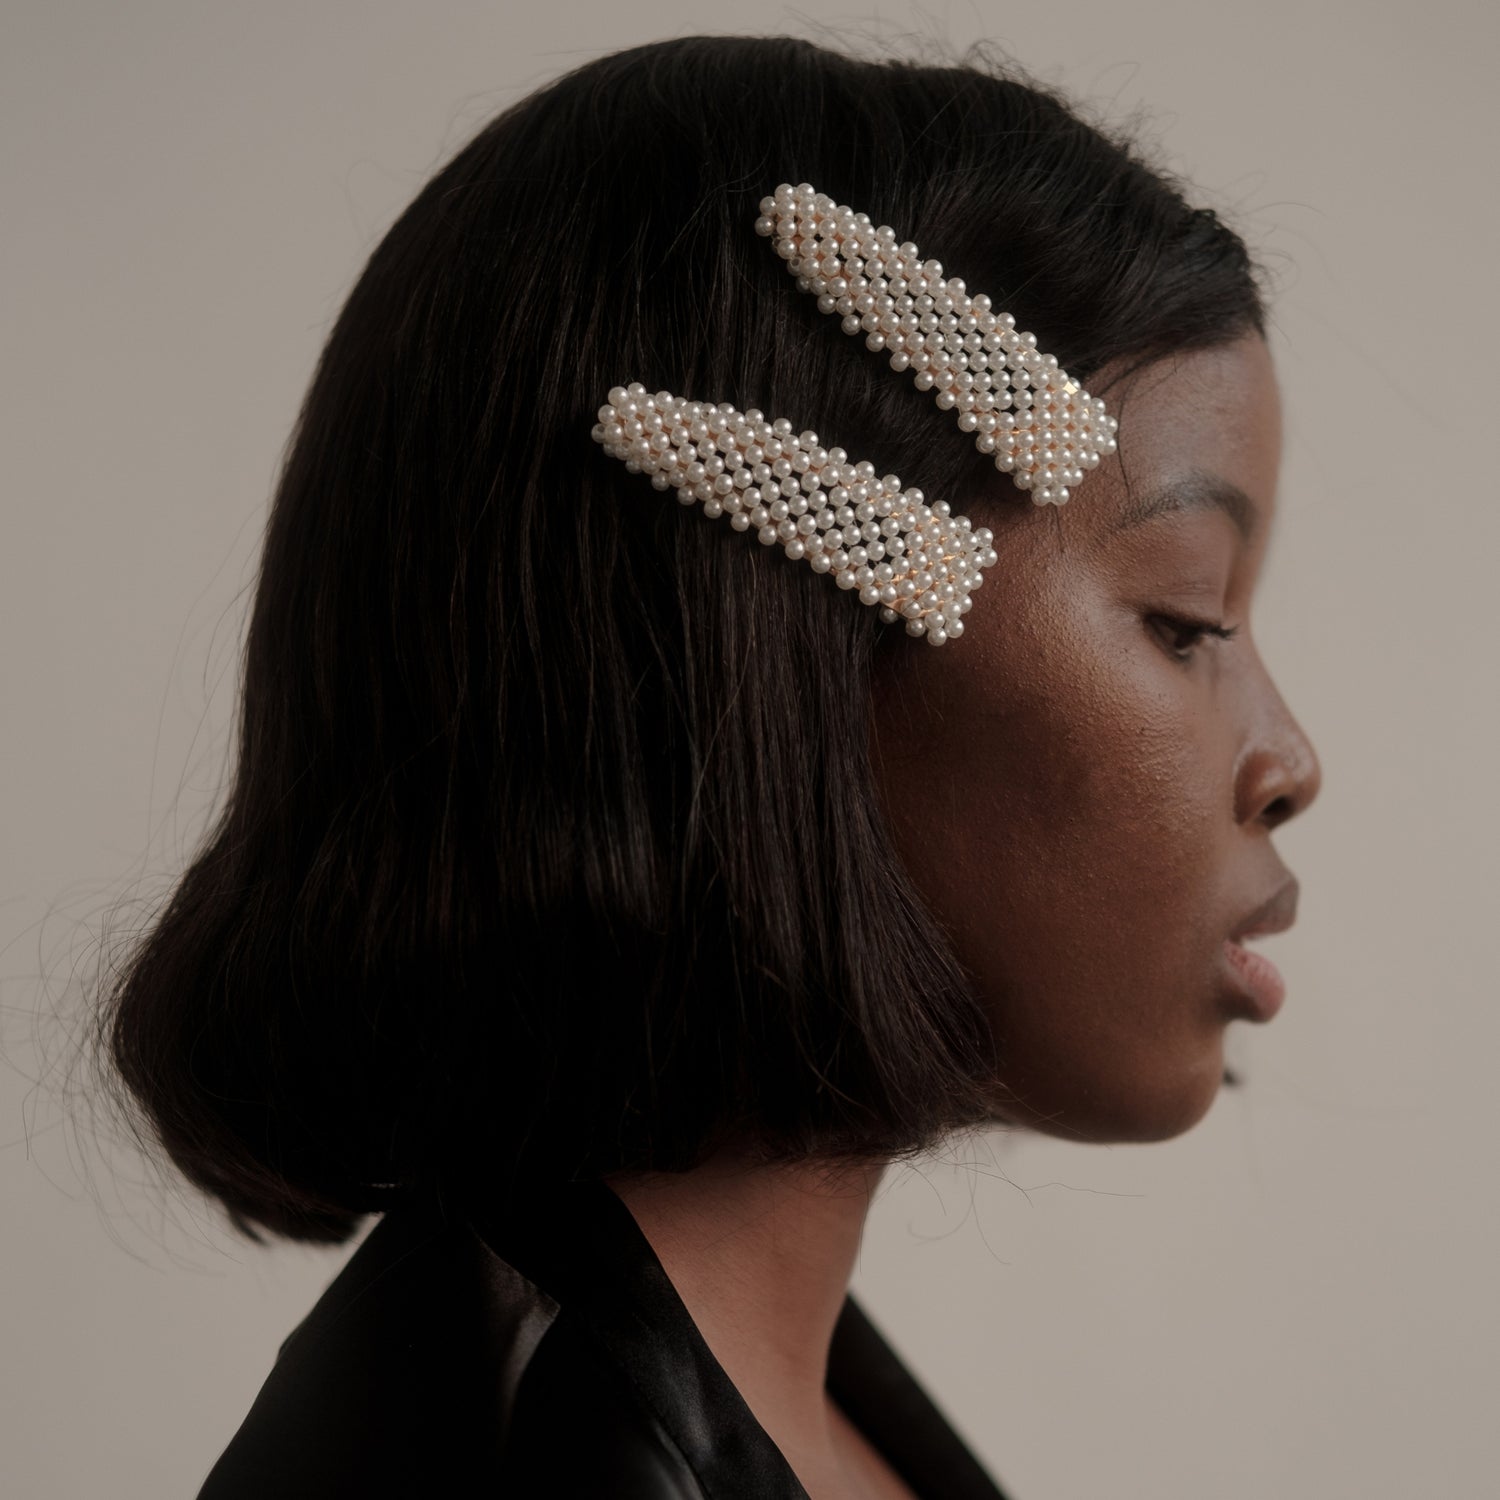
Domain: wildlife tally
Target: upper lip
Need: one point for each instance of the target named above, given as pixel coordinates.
(1275, 915)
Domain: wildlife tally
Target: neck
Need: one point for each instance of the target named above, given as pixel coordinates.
(761, 1257)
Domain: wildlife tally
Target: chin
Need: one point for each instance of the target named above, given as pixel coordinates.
(1123, 1110)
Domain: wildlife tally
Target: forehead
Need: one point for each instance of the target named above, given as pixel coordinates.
(1198, 431)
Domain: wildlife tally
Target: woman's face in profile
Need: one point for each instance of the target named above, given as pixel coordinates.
(1084, 788)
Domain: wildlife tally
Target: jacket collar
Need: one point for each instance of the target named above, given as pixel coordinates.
(579, 1243)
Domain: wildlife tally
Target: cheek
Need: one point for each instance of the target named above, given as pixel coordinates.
(1076, 879)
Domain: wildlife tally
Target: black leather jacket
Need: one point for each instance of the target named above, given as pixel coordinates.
(543, 1352)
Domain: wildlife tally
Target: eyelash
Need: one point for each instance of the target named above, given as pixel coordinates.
(1197, 629)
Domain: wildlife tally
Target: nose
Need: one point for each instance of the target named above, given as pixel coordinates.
(1279, 774)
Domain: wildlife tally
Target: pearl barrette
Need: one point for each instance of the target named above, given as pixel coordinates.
(1042, 427)
(910, 559)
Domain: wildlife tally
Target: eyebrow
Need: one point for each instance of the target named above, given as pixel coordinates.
(1192, 492)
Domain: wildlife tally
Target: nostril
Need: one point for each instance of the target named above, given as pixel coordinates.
(1277, 811)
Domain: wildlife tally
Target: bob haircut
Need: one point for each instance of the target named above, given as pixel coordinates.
(552, 847)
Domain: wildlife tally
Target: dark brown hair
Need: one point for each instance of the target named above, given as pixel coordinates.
(551, 846)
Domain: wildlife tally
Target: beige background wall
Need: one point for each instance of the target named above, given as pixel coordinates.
(1298, 1298)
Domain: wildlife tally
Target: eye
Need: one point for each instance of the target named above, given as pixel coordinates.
(1181, 636)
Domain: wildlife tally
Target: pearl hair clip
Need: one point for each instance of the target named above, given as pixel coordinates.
(1042, 427)
(910, 559)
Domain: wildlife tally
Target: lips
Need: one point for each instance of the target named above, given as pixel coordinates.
(1275, 915)
(1256, 981)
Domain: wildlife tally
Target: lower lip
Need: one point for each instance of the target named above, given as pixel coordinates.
(1258, 979)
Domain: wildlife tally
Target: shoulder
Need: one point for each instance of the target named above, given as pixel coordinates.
(431, 1366)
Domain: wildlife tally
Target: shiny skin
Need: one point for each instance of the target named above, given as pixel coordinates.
(1084, 792)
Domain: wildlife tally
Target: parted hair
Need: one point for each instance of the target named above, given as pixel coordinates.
(551, 845)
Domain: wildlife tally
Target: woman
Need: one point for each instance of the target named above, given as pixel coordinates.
(606, 899)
